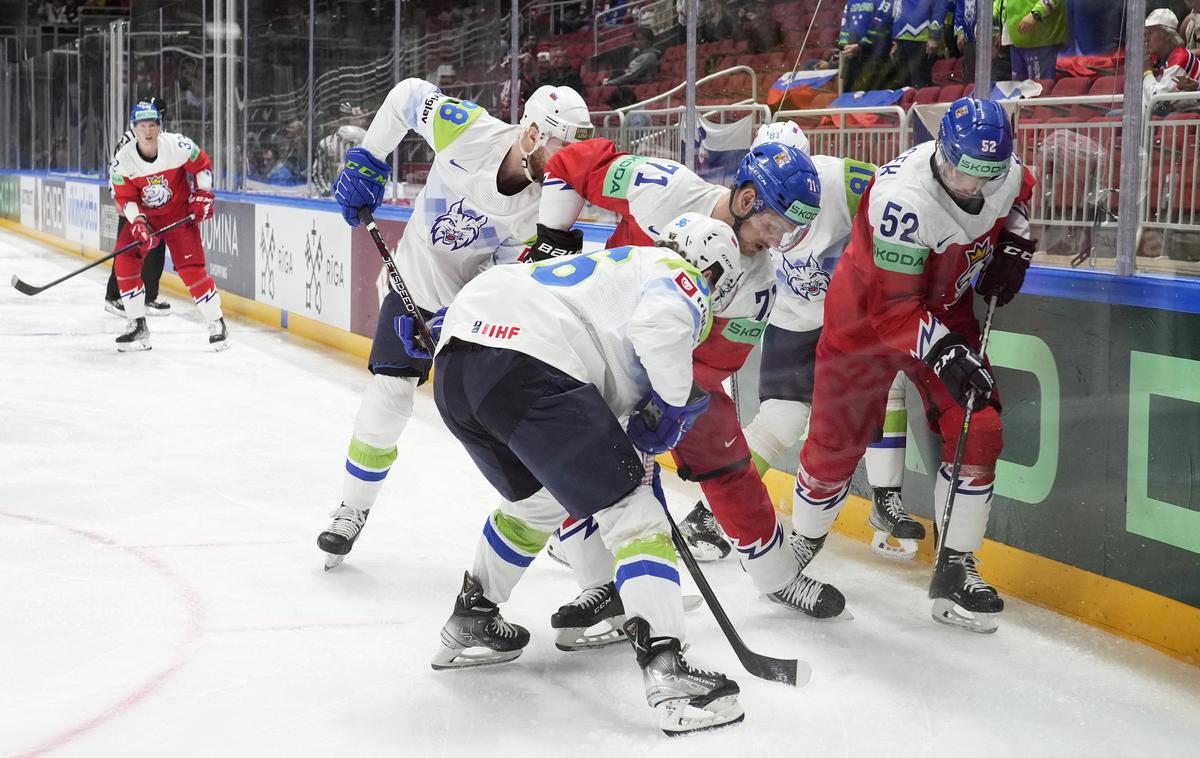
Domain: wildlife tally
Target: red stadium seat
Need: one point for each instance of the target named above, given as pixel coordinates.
(950, 93)
(1076, 86)
(927, 95)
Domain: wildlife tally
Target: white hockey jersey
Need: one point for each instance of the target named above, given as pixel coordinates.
(625, 320)
(461, 222)
(804, 272)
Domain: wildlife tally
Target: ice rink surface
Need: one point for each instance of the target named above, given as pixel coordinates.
(161, 592)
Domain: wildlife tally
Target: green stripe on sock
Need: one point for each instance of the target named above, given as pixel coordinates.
(658, 546)
(895, 422)
(371, 457)
(760, 463)
(522, 536)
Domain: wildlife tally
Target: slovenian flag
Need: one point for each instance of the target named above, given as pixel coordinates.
(876, 98)
(1016, 90)
(800, 86)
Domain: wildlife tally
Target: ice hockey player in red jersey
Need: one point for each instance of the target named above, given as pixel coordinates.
(775, 197)
(943, 220)
(158, 179)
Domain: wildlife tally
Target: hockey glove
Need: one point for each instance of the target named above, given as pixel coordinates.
(1005, 273)
(360, 184)
(406, 329)
(141, 233)
(962, 371)
(551, 243)
(656, 427)
(200, 205)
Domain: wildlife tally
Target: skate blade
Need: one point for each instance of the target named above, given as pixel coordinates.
(678, 717)
(109, 308)
(903, 550)
(556, 555)
(706, 552)
(219, 346)
(574, 639)
(448, 658)
(133, 347)
(333, 561)
(156, 313)
(948, 612)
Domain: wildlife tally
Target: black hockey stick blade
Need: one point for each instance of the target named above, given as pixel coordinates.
(23, 288)
(782, 670)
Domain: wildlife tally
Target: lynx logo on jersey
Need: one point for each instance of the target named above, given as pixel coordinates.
(457, 227)
(806, 279)
(157, 192)
(977, 257)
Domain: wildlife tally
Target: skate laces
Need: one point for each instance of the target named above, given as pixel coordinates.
(347, 521)
(804, 548)
(590, 598)
(892, 505)
(803, 591)
(501, 628)
(973, 581)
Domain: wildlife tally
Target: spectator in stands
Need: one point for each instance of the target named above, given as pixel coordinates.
(560, 72)
(1171, 67)
(716, 23)
(1189, 27)
(965, 20)
(643, 60)
(865, 41)
(758, 27)
(917, 34)
(1034, 30)
(269, 168)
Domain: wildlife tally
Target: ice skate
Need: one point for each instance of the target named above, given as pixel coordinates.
(805, 548)
(896, 533)
(599, 606)
(158, 308)
(687, 699)
(115, 307)
(812, 598)
(218, 335)
(476, 625)
(554, 549)
(703, 535)
(962, 598)
(135, 338)
(338, 539)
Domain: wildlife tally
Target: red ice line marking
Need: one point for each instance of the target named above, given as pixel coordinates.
(300, 627)
(195, 626)
(169, 545)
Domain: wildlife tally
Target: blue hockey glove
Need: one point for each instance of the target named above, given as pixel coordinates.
(656, 427)
(361, 183)
(406, 329)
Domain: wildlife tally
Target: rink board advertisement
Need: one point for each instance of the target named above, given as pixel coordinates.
(10, 197)
(1101, 432)
(52, 209)
(82, 221)
(302, 262)
(229, 248)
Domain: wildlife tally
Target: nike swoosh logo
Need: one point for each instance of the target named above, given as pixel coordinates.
(730, 442)
(652, 230)
(455, 164)
(942, 242)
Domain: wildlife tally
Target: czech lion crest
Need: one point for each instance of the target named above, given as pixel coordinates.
(157, 192)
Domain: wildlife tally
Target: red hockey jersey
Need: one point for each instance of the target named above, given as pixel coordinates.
(159, 189)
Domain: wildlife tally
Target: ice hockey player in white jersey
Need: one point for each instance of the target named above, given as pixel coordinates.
(478, 207)
(538, 368)
(785, 377)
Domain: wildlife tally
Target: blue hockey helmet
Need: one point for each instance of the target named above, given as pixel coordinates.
(785, 181)
(145, 110)
(975, 139)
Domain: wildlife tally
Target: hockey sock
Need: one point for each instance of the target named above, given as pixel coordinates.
(770, 563)
(778, 425)
(508, 546)
(647, 579)
(972, 504)
(134, 302)
(816, 504)
(385, 410)
(209, 304)
(885, 458)
(590, 559)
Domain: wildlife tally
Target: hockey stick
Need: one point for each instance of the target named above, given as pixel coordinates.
(786, 671)
(28, 289)
(398, 286)
(940, 578)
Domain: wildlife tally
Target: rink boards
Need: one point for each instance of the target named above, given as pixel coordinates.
(1097, 512)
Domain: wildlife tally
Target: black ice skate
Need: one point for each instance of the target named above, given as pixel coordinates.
(896, 533)
(687, 699)
(597, 606)
(703, 535)
(962, 598)
(339, 538)
(476, 625)
(135, 338)
(218, 335)
(812, 598)
(158, 308)
(115, 307)
(805, 548)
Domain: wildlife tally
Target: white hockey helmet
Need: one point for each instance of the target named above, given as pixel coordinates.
(558, 112)
(711, 246)
(783, 132)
